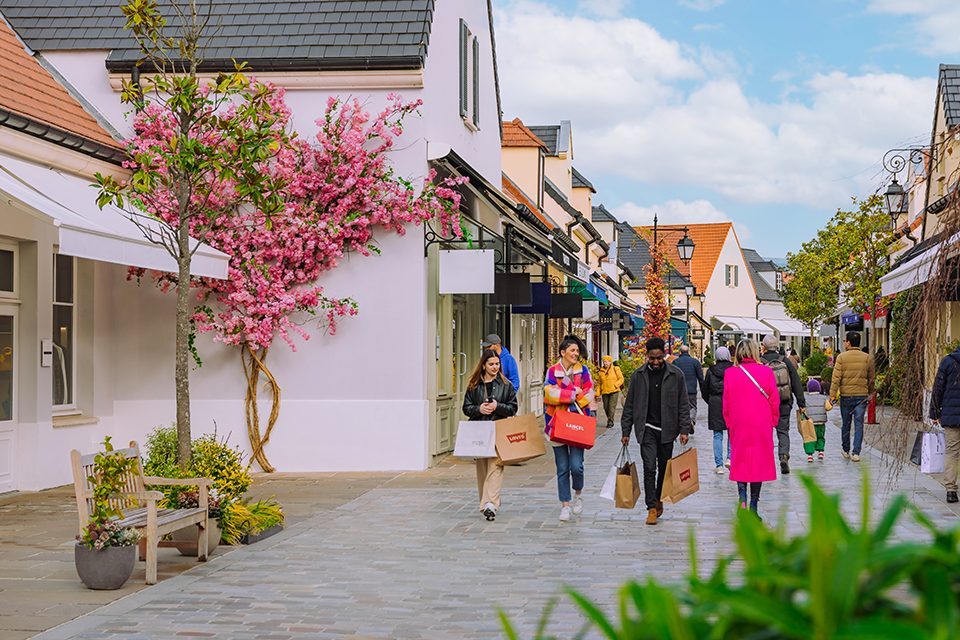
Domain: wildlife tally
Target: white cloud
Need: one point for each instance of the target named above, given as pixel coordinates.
(676, 212)
(655, 111)
(701, 5)
(934, 24)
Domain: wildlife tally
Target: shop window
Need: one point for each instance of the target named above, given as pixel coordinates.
(8, 270)
(64, 332)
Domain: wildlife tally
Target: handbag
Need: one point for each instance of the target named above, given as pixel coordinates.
(574, 429)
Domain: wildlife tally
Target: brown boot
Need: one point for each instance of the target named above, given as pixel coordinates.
(652, 516)
(659, 508)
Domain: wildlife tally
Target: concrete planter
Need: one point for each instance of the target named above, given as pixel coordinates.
(107, 568)
(257, 537)
(186, 539)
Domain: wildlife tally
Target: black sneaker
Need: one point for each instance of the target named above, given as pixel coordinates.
(784, 466)
(952, 497)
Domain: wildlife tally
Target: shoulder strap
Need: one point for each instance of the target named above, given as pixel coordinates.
(755, 383)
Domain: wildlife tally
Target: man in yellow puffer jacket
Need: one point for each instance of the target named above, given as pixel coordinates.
(610, 379)
(852, 383)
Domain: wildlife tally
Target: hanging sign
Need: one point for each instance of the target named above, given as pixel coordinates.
(467, 271)
(583, 271)
(591, 310)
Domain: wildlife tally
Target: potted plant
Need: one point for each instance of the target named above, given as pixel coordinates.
(106, 553)
(186, 539)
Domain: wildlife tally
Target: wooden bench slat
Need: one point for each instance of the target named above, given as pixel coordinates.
(166, 516)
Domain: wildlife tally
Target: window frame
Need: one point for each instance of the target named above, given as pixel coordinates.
(70, 408)
(469, 69)
(14, 247)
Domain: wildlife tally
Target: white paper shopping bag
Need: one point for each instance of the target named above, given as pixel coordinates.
(933, 453)
(477, 439)
(610, 484)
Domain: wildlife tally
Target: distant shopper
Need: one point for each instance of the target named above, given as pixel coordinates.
(854, 377)
(568, 386)
(794, 358)
(692, 375)
(751, 407)
(789, 386)
(817, 412)
(658, 409)
(489, 396)
(945, 411)
(610, 380)
(508, 364)
(713, 396)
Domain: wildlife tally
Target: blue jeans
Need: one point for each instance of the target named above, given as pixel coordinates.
(718, 458)
(852, 408)
(569, 463)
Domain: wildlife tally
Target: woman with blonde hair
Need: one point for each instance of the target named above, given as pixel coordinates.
(489, 396)
(751, 410)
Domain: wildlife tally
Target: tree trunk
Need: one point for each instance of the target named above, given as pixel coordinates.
(253, 366)
(182, 375)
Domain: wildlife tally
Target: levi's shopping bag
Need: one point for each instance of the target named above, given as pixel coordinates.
(574, 429)
(519, 438)
(682, 477)
(475, 439)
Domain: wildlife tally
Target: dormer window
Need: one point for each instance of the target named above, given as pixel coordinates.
(469, 77)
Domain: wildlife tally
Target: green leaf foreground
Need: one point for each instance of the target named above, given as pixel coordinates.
(835, 582)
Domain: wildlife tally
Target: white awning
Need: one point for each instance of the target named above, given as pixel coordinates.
(85, 230)
(787, 327)
(915, 271)
(741, 324)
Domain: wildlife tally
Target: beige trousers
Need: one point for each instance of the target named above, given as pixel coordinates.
(489, 480)
(952, 437)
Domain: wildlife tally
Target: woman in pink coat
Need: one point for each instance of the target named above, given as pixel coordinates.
(751, 409)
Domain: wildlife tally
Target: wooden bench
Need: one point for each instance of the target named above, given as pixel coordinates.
(139, 506)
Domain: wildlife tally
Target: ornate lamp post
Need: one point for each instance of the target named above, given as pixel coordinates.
(895, 197)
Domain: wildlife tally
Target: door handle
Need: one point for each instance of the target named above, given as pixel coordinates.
(463, 371)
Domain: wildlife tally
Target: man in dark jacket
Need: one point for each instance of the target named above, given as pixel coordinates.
(790, 387)
(693, 374)
(945, 411)
(658, 407)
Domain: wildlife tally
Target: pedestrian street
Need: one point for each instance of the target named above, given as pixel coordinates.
(411, 560)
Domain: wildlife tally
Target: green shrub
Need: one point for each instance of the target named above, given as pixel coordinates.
(837, 580)
(210, 457)
(826, 377)
(815, 363)
(629, 364)
(804, 376)
(708, 358)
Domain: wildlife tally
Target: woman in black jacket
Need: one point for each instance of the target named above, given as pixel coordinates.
(489, 396)
(712, 392)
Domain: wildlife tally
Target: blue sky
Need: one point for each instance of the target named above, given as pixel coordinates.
(770, 113)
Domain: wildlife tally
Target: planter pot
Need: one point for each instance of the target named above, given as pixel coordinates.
(186, 539)
(257, 537)
(107, 568)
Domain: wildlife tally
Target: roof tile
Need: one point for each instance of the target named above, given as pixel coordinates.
(516, 134)
(709, 239)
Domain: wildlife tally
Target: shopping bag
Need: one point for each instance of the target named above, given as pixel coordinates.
(917, 447)
(610, 484)
(476, 439)
(574, 429)
(628, 486)
(519, 439)
(933, 453)
(806, 428)
(682, 477)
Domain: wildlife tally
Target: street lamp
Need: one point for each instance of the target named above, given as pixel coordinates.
(895, 161)
(896, 199)
(685, 245)
(689, 289)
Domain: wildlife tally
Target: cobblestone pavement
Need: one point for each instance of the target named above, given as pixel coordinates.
(413, 558)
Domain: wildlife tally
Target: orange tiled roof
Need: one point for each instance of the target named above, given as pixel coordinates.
(516, 134)
(709, 239)
(30, 91)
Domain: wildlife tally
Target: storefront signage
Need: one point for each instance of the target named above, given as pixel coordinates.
(564, 259)
(583, 271)
(467, 271)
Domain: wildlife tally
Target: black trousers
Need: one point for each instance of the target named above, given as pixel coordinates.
(654, 455)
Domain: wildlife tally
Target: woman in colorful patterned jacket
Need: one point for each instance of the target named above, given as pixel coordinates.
(568, 386)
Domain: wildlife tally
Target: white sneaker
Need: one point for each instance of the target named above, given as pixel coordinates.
(490, 511)
(564, 514)
(727, 463)
(578, 506)
(855, 457)
(720, 471)
(845, 454)
(820, 456)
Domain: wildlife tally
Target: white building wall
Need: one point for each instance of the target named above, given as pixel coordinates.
(723, 300)
(357, 400)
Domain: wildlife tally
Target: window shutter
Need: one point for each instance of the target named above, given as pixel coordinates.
(736, 275)
(476, 82)
(464, 34)
(726, 274)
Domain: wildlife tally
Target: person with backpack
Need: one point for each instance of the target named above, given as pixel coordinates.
(712, 391)
(789, 386)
